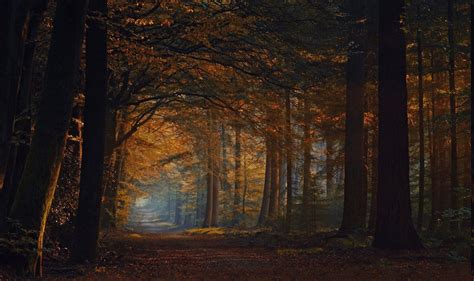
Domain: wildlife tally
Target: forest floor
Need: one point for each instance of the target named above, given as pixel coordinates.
(217, 256)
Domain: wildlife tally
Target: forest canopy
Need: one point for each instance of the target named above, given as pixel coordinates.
(309, 120)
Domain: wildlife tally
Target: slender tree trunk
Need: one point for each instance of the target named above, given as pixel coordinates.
(198, 216)
(452, 109)
(92, 169)
(112, 155)
(307, 144)
(177, 212)
(434, 153)
(224, 141)
(19, 151)
(38, 182)
(421, 123)
(394, 227)
(216, 182)
(119, 175)
(238, 174)
(472, 130)
(246, 186)
(210, 178)
(330, 188)
(15, 17)
(373, 181)
(355, 178)
(275, 183)
(289, 163)
(267, 185)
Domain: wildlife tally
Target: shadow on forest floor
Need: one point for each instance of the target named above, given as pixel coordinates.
(223, 254)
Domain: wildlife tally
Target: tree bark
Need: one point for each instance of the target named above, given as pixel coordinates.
(19, 151)
(452, 109)
(435, 139)
(355, 174)
(274, 207)
(394, 227)
(421, 124)
(373, 181)
(307, 144)
(238, 175)
(246, 186)
(289, 163)
(38, 182)
(216, 181)
(92, 169)
(210, 177)
(15, 17)
(177, 212)
(266, 186)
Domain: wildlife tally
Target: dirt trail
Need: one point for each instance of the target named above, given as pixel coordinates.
(178, 256)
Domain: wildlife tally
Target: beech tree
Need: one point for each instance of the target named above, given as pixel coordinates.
(355, 174)
(38, 182)
(394, 226)
(92, 169)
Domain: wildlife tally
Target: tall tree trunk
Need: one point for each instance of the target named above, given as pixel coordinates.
(92, 169)
(38, 182)
(238, 174)
(274, 207)
(373, 181)
(216, 181)
(307, 144)
(267, 185)
(23, 112)
(14, 23)
(210, 177)
(394, 227)
(330, 188)
(472, 130)
(224, 141)
(246, 186)
(355, 178)
(421, 123)
(452, 108)
(289, 163)
(177, 212)
(112, 155)
(434, 152)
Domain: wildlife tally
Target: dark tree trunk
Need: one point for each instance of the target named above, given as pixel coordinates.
(472, 130)
(435, 139)
(289, 163)
(373, 181)
(274, 207)
(421, 124)
(330, 186)
(266, 186)
(238, 174)
(355, 174)
(111, 157)
(455, 202)
(216, 181)
(177, 211)
(224, 142)
(92, 169)
(19, 151)
(307, 144)
(246, 186)
(38, 182)
(394, 227)
(210, 177)
(15, 17)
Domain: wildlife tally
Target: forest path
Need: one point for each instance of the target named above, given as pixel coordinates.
(180, 256)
